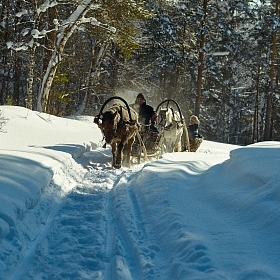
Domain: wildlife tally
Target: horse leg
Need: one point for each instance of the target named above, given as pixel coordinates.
(179, 141)
(168, 145)
(114, 153)
(127, 147)
(127, 151)
(175, 144)
(124, 160)
(125, 156)
(128, 133)
(119, 155)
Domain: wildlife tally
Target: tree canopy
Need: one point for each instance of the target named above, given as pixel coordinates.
(218, 59)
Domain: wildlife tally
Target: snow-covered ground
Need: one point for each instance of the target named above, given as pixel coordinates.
(66, 214)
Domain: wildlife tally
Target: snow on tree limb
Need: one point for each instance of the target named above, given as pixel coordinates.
(46, 5)
(65, 32)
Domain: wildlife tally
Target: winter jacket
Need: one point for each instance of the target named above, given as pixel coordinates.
(193, 131)
(146, 113)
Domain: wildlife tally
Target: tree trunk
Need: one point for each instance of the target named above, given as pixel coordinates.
(268, 117)
(29, 101)
(200, 61)
(256, 111)
(162, 82)
(5, 53)
(115, 66)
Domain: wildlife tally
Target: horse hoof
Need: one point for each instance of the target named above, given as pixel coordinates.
(117, 166)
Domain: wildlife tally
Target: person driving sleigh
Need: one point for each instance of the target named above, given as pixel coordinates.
(147, 114)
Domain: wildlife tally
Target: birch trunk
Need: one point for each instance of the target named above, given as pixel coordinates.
(29, 101)
(66, 31)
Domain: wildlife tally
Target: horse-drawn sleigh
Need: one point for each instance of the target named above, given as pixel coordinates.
(131, 140)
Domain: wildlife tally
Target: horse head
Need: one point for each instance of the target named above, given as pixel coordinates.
(109, 124)
(169, 117)
(165, 118)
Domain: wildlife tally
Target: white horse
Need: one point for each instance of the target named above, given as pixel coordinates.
(170, 122)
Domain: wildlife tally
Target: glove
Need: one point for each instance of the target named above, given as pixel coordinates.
(154, 118)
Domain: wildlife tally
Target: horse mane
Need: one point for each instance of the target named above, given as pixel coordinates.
(120, 111)
(176, 116)
(111, 113)
(115, 108)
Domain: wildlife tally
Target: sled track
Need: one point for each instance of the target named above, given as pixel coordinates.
(134, 251)
(94, 231)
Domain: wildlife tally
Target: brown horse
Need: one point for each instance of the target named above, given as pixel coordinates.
(119, 131)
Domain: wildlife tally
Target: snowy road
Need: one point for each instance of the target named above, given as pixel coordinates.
(144, 223)
(89, 233)
(65, 214)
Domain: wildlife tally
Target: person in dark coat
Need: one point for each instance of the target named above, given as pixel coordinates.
(147, 114)
(195, 139)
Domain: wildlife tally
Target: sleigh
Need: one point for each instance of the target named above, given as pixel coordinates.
(172, 135)
(148, 145)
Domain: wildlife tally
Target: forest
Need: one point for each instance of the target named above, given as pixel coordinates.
(218, 59)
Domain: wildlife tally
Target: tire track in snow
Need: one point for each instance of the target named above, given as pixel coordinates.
(135, 258)
(20, 246)
(125, 264)
(110, 234)
(121, 261)
(71, 244)
(111, 241)
(27, 256)
(93, 232)
(83, 239)
(125, 228)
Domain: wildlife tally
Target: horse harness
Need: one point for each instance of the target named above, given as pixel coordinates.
(119, 125)
(123, 122)
(162, 120)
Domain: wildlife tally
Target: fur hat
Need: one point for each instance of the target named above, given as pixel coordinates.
(140, 95)
(194, 119)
